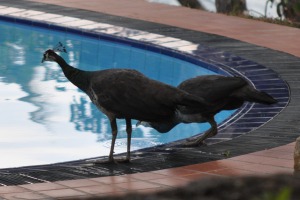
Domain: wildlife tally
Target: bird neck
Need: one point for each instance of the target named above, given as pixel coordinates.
(76, 76)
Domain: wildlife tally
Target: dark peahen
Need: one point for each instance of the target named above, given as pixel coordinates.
(126, 94)
(221, 92)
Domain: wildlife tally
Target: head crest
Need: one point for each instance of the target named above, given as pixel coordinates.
(50, 54)
(60, 48)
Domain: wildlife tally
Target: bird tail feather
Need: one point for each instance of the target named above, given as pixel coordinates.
(257, 96)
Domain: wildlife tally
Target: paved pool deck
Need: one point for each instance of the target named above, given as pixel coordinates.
(266, 150)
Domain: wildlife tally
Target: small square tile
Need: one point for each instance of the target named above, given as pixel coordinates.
(45, 16)
(137, 185)
(275, 154)
(205, 167)
(78, 183)
(96, 26)
(286, 148)
(231, 172)
(63, 19)
(100, 189)
(26, 13)
(113, 179)
(165, 40)
(188, 48)
(175, 172)
(23, 195)
(170, 181)
(126, 32)
(42, 186)
(228, 163)
(12, 189)
(9, 10)
(176, 44)
(274, 169)
(147, 176)
(146, 37)
(154, 190)
(199, 176)
(63, 193)
(78, 23)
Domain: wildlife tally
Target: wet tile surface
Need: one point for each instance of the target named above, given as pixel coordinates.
(250, 164)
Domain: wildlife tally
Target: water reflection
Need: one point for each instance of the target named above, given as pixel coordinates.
(45, 119)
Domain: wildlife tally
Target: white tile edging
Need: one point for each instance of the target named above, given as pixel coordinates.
(88, 25)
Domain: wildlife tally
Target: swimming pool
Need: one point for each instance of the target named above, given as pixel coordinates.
(47, 120)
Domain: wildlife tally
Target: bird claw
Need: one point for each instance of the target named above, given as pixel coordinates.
(112, 161)
(193, 143)
(101, 161)
(190, 139)
(122, 160)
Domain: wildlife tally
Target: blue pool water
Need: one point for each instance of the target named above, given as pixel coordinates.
(45, 119)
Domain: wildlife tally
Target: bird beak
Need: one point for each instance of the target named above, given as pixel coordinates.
(44, 58)
(138, 123)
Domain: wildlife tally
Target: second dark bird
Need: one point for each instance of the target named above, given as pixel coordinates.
(221, 93)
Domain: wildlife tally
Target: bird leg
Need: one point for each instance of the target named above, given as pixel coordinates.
(210, 133)
(114, 128)
(129, 131)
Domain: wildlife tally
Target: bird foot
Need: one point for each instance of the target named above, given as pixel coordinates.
(122, 160)
(193, 143)
(101, 161)
(112, 161)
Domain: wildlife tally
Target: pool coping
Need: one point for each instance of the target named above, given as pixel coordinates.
(221, 157)
(244, 120)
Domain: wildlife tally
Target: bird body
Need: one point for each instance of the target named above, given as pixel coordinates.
(126, 94)
(223, 92)
(220, 93)
(129, 94)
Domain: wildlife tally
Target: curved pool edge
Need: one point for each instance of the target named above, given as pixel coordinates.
(218, 61)
(258, 108)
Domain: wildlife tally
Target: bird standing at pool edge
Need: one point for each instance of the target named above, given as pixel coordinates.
(126, 94)
(222, 92)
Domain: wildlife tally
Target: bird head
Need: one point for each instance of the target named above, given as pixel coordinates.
(49, 55)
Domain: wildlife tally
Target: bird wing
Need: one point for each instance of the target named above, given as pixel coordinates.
(130, 94)
(213, 88)
(216, 90)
